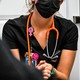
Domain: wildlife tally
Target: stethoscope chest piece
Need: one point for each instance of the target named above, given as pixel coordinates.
(54, 57)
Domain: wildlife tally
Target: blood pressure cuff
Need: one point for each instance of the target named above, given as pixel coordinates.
(12, 69)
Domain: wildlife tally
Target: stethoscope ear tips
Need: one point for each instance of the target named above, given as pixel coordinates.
(44, 54)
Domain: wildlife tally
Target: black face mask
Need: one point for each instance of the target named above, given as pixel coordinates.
(47, 8)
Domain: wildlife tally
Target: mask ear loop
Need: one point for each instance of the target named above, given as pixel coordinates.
(28, 41)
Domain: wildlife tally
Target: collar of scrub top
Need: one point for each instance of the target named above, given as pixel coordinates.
(47, 34)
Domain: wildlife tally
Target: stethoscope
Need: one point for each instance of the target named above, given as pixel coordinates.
(28, 41)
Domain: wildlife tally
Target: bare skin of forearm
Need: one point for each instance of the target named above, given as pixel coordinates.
(15, 53)
(59, 75)
(65, 65)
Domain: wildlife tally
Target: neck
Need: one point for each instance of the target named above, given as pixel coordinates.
(40, 23)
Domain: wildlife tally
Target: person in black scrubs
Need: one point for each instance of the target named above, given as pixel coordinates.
(43, 39)
(12, 69)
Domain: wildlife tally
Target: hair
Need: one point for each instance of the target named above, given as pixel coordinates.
(30, 5)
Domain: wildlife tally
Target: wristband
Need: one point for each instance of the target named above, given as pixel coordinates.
(52, 71)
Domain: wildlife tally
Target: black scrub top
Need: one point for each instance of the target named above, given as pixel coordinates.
(14, 32)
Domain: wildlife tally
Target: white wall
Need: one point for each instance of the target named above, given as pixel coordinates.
(2, 22)
(12, 7)
(72, 8)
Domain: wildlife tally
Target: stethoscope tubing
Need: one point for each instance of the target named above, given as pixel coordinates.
(48, 56)
(28, 41)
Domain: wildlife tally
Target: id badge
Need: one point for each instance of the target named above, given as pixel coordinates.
(26, 60)
(34, 59)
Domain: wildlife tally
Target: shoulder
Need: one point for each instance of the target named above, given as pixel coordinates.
(14, 26)
(66, 23)
(16, 22)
